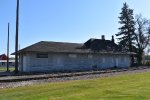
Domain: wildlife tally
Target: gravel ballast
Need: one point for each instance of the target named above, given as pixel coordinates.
(67, 78)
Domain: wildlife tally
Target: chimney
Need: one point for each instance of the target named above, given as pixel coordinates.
(103, 37)
(113, 39)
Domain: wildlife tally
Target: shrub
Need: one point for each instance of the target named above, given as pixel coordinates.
(147, 63)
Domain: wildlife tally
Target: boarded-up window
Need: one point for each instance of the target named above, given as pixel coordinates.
(90, 56)
(42, 55)
(72, 55)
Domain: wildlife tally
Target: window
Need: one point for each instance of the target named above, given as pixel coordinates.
(42, 55)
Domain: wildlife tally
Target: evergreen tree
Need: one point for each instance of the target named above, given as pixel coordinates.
(126, 34)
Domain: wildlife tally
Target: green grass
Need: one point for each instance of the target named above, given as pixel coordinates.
(122, 87)
(5, 69)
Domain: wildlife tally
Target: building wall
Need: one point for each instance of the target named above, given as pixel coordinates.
(69, 62)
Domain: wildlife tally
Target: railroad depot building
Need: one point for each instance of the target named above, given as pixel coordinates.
(94, 54)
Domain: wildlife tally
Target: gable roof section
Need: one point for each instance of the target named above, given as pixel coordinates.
(101, 45)
(91, 46)
(3, 57)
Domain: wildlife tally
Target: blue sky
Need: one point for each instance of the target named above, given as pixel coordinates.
(63, 20)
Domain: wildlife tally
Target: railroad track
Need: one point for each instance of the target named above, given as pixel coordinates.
(62, 75)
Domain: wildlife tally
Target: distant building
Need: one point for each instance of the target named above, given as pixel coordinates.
(3, 61)
(94, 54)
(3, 57)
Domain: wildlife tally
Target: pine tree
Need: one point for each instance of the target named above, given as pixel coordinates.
(126, 34)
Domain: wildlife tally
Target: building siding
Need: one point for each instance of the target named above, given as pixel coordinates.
(71, 62)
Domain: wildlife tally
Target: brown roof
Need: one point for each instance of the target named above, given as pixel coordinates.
(63, 47)
(45, 46)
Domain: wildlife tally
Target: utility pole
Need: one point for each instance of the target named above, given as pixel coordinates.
(8, 50)
(16, 40)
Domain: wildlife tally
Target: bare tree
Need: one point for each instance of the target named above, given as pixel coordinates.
(142, 36)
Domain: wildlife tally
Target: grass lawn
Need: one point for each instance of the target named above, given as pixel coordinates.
(5, 69)
(122, 87)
